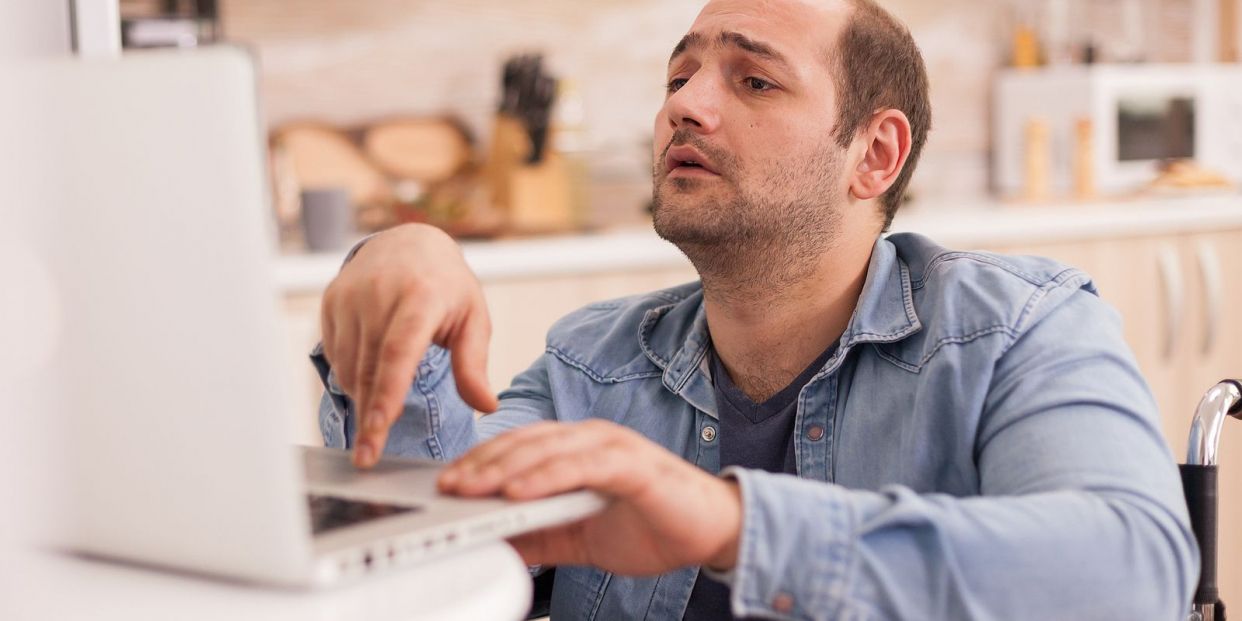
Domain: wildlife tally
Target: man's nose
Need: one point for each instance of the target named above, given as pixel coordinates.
(696, 105)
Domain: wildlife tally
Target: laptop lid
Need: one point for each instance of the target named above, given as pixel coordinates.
(155, 228)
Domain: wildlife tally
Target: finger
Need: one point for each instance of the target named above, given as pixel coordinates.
(478, 472)
(344, 348)
(370, 341)
(469, 347)
(619, 469)
(400, 351)
(559, 545)
(490, 450)
(528, 453)
(364, 369)
(362, 394)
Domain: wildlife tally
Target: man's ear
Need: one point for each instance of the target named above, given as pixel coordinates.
(887, 145)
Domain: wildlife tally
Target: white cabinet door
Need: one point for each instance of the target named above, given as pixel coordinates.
(1212, 352)
(301, 314)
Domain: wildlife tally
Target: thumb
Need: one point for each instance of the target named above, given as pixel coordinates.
(559, 545)
(469, 347)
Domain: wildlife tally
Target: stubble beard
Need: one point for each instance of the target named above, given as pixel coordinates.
(750, 240)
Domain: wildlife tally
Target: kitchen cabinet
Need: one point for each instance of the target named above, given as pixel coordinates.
(301, 324)
(1180, 310)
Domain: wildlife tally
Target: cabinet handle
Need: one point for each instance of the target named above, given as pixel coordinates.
(1174, 291)
(1213, 292)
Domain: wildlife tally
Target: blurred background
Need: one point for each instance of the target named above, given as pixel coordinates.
(356, 94)
(1103, 133)
(397, 100)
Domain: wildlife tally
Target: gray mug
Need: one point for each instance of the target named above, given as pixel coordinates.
(327, 219)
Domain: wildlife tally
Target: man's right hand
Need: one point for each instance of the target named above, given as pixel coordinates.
(406, 288)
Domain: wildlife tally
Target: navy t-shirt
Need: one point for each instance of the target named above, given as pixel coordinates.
(752, 435)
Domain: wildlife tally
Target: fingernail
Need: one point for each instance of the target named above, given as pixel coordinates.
(513, 488)
(375, 421)
(365, 454)
(449, 477)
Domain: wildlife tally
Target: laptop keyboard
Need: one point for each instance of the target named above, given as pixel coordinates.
(332, 512)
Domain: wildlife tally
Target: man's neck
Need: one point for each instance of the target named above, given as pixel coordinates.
(766, 337)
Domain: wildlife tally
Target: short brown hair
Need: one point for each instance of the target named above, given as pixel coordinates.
(879, 67)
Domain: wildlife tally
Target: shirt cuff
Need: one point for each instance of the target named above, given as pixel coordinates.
(349, 256)
(795, 550)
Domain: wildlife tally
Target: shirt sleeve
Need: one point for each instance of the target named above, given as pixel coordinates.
(435, 423)
(1081, 514)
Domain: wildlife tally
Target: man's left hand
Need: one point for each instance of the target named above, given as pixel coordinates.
(664, 513)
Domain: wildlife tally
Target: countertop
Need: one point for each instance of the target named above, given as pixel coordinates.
(961, 225)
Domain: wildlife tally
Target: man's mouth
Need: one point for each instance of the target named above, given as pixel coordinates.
(685, 160)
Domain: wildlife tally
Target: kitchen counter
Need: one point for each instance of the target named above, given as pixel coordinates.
(955, 226)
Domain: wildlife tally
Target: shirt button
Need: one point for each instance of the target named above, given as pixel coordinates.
(709, 433)
(815, 432)
(782, 603)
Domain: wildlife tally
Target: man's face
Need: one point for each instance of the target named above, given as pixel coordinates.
(751, 102)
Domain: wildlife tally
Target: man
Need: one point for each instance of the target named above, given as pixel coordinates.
(910, 433)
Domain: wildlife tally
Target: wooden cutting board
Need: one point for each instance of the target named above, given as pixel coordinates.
(428, 150)
(324, 157)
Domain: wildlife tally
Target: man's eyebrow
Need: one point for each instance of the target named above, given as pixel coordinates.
(758, 48)
(692, 39)
(726, 39)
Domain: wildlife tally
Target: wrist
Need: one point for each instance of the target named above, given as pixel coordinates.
(725, 558)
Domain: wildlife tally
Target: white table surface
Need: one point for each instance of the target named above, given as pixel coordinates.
(489, 582)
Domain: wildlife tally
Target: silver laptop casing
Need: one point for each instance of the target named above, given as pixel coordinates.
(159, 241)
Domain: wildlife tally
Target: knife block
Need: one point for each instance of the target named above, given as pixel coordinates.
(535, 198)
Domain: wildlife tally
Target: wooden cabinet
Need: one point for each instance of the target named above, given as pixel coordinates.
(1181, 302)
(301, 314)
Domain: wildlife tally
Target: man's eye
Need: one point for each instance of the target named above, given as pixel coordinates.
(758, 84)
(675, 84)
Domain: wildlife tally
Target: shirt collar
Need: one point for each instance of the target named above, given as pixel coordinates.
(885, 309)
(675, 336)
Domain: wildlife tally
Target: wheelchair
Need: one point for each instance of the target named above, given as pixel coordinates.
(1199, 475)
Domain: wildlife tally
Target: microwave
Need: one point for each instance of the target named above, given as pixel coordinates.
(1139, 116)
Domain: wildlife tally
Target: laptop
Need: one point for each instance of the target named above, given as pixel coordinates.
(153, 222)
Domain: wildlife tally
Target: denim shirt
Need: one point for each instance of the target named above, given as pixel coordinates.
(980, 446)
